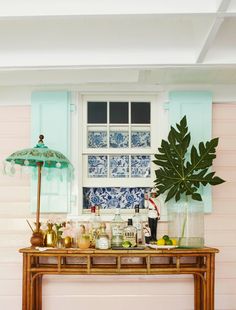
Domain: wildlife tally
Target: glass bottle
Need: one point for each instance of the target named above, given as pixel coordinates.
(97, 215)
(130, 233)
(138, 224)
(92, 214)
(59, 231)
(94, 224)
(102, 240)
(91, 226)
(117, 227)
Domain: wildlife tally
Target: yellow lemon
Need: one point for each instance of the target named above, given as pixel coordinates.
(174, 241)
(161, 242)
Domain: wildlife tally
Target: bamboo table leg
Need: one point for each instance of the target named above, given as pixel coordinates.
(197, 292)
(38, 293)
(37, 287)
(212, 282)
(24, 282)
(28, 284)
(208, 283)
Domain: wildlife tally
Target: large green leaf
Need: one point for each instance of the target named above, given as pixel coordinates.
(181, 172)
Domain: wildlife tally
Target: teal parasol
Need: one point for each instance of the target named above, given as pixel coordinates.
(39, 156)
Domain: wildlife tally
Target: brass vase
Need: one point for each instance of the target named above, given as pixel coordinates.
(50, 237)
(36, 239)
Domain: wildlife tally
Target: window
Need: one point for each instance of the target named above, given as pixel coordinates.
(85, 126)
(119, 136)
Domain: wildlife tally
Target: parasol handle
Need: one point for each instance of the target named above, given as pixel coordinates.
(39, 164)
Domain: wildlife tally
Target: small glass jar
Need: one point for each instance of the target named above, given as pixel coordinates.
(83, 241)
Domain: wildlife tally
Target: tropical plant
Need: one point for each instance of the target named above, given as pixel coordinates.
(181, 172)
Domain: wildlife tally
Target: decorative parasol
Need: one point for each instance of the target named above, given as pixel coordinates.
(39, 156)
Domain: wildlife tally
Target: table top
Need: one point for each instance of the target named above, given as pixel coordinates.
(204, 250)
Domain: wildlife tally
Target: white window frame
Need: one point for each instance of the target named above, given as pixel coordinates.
(159, 128)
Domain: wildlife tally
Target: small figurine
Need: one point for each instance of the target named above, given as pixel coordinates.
(154, 212)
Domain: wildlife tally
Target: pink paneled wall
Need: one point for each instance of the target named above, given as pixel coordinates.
(14, 135)
(102, 293)
(14, 205)
(220, 225)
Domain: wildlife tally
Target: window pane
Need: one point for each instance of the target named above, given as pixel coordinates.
(97, 166)
(140, 112)
(119, 166)
(97, 112)
(97, 139)
(113, 197)
(140, 138)
(140, 166)
(119, 139)
(119, 112)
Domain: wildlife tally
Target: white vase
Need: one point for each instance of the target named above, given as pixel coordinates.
(186, 222)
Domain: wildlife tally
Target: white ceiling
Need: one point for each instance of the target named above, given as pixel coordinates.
(129, 41)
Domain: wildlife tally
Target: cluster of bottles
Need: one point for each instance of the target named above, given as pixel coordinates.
(119, 234)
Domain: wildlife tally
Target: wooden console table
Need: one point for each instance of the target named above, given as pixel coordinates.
(198, 262)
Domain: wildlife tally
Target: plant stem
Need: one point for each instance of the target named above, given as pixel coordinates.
(29, 225)
(185, 220)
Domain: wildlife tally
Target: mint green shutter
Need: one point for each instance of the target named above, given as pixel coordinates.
(51, 117)
(197, 106)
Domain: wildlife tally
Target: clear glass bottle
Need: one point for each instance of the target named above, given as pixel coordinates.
(92, 214)
(117, 228)
(102, 240)
(138, 224)
(94, 224)
(130, 233)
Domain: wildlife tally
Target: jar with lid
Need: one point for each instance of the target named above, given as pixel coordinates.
(102, 240)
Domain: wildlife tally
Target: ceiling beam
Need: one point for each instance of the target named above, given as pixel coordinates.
(223, 5)
(24, 8)
(211, 35)
(209, 39)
